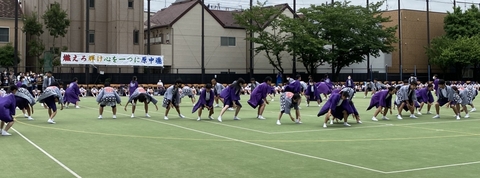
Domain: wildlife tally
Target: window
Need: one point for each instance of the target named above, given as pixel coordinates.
(130, 4)
(136, 36)
(228, 41)
(91, 4)
(91, 37)
(4, 35)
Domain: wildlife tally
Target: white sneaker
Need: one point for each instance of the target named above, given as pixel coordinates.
(51, 121)
(473, 110)
(78, 107)
(236, 118)
(147, 115)
(25, 115)
(278, 122)
(261, 117)
(100, 117)
(114, 116)
(299, 107)
(198, 119)
(359, 122)
(230, 109)
(419, 113)
(458, 117)
(219, 118)
(413, 116)
(324, 125)
(181, 116)
(436, 116)
(399, 117)
(210, 117)
(133, 115)
(331, 121)
(272, 100)
(428, 112)
(298, 121)
(308, 105)
(5, 133)
(374, 119)
(165, 117)
(217, 106)
(385, 118)
(467, 116)
(346, 124)
(41, 104)
(30, 118)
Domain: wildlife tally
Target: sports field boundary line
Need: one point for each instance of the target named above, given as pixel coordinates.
(432, 167)
(267, 147)
(212, 122)
(47, 154)
(259, 145)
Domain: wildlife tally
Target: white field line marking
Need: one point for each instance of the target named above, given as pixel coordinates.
(329, 129)
(259, 145)
(267, 147)
(433, 167)
(48, 155)
(215, 122)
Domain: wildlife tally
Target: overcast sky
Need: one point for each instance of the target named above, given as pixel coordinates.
(435, 5)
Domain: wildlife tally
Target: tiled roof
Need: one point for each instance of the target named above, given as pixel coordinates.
(7, 9)
(168, 16)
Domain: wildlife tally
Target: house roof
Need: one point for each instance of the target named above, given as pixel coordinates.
(7, 9)
(168, 16)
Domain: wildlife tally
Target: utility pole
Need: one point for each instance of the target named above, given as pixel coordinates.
(294, 70)
(428, 36)
(400, 43)
(203, 41)
(87, 36)
(15, 45)
(251, 43)
(148, 27)
(368, 55)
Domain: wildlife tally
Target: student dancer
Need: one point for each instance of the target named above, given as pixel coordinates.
(259, 97)
(24, 100)
(141, 95)
(369, 86)
(351, 93)
(217, 88)
(445, 97)
(312, 94)
(187, 91)
(49, 97)
(108, 97)
(336, 106)
(7, 111)
(83, 92)
(133, 85)
(72, 93)
(462, 100)
(472, 93)
(424, 96)
(406, 99)
(382, 100)
(349, 83)
(289, 100)
(231, 97)
(205, 101)
(172, 99)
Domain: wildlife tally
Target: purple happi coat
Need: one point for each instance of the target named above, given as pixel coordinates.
(7, 107)
(313, 95)
(323, 88)
(424, 96)
(294, 87)
(435, 84)
(331, 104)
(202, 101)
(381, 98)
(72, 93)
(132, 87)
(230, 94)
(258, 94)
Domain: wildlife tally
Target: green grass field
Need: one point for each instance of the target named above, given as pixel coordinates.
(85, 146)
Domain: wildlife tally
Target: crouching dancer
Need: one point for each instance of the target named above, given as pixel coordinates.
(338, 107)
(141, 95)
(49, 97)
(7, 110)
(207, 96)
(289, 100)
(108, 97)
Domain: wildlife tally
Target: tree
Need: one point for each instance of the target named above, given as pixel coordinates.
(305, 40)
(435, 53)
(33, 29)
(460, 23)
(353, 32)
(57, 23)
(271, 41)
(7, 57)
